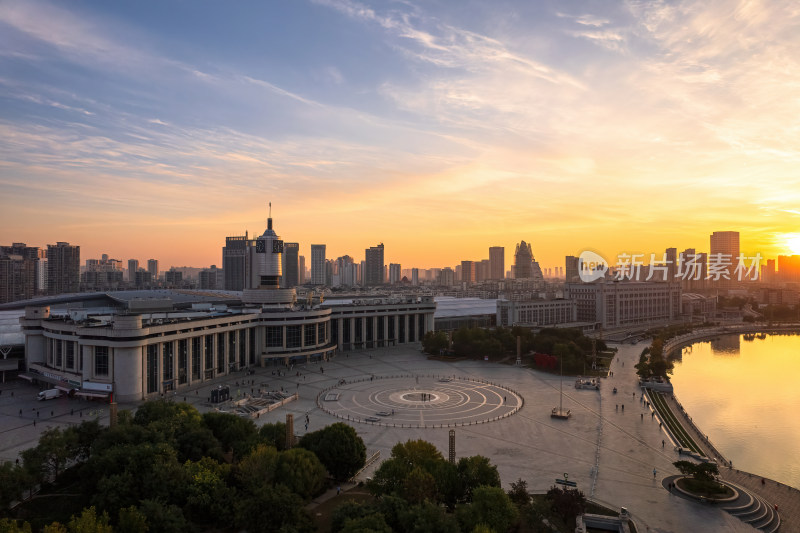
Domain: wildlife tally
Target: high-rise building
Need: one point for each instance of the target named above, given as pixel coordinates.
(374, 266)
(789, 268)
(41, 271)
(415, 276)
(768, 272)
(468, 272)
(133, 266)
(482, 270)
(63, 268)
(102, 274)
(523, 261)
(211, 278)
(19, 266)
(173, 278)
(291, 267)
(345, 273)
(694, 270)
(318, 264)
(671, 255)
(235, 263)
(572, 269)
(723, 258)
(394, 273)
(447, 277)
(152, 267)
(497, 262)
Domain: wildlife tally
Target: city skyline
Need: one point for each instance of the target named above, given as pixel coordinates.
(155, 131)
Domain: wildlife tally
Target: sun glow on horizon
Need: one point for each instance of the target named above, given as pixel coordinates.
(792, 242)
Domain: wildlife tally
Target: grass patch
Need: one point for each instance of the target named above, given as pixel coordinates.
(673, 423)
(705, 489)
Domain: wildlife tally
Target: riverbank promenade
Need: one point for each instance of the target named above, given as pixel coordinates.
(785, 497)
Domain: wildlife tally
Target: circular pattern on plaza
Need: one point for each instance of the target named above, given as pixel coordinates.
(417, 401)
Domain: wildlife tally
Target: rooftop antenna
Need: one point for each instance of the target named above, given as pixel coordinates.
(269, 220)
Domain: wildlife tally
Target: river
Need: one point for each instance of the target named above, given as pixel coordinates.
(745, 395)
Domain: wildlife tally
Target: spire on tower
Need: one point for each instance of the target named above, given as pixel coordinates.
(269, 220)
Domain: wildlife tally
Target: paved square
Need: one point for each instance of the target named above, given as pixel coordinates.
(608, 449)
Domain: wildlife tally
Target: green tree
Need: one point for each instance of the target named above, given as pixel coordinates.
(349, 510)
(164, 518)
(81, 437)
(182, 426)
(235, 433)
(389, 477)
(474, 472)
(519, 493)
(270, 509)
(567, 503)
(448, 484)
(435, 342)
(372, 523)
(699, 471)
(48, 458)
(428, 518)
(301, 472)
(124, 475)
(419, 486)
(209, 500)
(258, 468)
(418, 453)
(131, 520)
(339, 448)
(13, 480)
(8, 525)
(273, 435)
(89, 522)
(491, 507)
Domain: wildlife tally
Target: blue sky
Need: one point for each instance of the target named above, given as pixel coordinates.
(155, 129)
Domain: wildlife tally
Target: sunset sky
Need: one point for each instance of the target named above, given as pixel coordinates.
(440, 128)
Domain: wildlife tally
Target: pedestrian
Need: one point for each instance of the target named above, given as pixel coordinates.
(662, 443)
(623, 407)
(616, 407)
(654, 473)
(642, 416)
(338, 489)
(763, 482)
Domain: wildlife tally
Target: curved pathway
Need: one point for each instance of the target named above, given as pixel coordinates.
(772, 492)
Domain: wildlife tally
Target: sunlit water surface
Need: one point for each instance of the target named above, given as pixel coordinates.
(745, 395)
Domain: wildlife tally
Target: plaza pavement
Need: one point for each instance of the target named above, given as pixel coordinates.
(608, 451)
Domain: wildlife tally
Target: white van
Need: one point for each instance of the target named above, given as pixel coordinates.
(49, 394)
